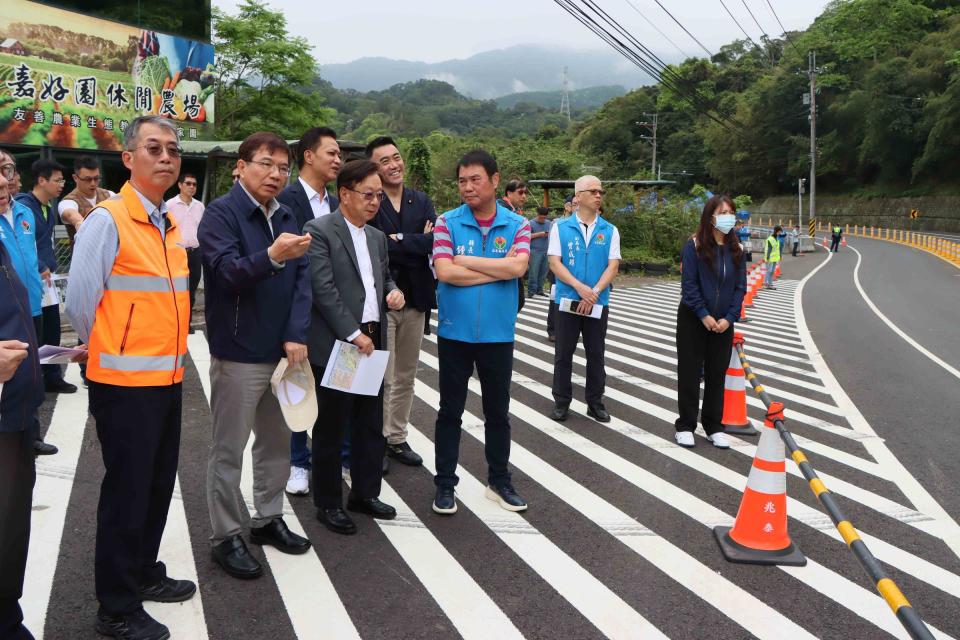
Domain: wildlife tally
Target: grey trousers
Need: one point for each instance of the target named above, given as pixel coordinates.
(404, 336)
(242, 401)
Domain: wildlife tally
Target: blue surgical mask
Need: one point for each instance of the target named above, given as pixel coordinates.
(725, 222)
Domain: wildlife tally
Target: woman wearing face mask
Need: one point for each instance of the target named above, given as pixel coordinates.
(713, 284)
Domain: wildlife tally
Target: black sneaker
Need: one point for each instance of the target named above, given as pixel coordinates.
(445, 501)
(506, 497)
(131, 626)
(169, 590)
(403, 454)
(42, 448)
(59, 386)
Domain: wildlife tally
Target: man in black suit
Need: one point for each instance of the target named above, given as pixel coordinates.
(407, 217)
(352, 291)
(319, 160)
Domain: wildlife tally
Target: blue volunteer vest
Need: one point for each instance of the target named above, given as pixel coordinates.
(482, 312)
(586, 262)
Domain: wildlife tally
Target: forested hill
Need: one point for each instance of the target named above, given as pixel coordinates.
(580, 99)
(888, 101)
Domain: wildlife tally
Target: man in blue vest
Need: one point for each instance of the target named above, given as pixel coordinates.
(480, 249)
(584, 256)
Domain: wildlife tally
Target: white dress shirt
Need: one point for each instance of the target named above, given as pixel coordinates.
(554, 249)
(188, 219)
(371, 306)
(319, 203)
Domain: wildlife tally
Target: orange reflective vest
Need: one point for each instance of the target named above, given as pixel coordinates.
(139, 336)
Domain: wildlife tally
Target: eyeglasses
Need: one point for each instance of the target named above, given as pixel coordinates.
(593, 192)
(90, 180)
(156, 149)
(370, 196)
(270, 166)
(8, 170)
(59, 181)
(189, 184)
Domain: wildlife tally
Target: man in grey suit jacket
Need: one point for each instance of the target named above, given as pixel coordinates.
(352, 291)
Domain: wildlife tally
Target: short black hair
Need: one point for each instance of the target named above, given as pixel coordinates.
(379, 141)
(44, 168)
(309, 140)
(478, 157)
(255, 141)
(777, 229)
(513, 185)
(85, 162)
(185, 175)
(355, 172)
(543, 211)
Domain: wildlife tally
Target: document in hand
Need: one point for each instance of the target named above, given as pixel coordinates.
(570, 306)
(350, 371)
(50, 295)
(50, 354)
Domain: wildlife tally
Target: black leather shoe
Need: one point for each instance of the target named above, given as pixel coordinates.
(42, 448)
(277, 534)
(131, 626)
(372, 507)
(337, 521)
(403, 454)
(385, 466)
(59, 386)
(168, 590)
(551, 338)
(560, 412)
(445, 502)
(234, 557)
(598, 412)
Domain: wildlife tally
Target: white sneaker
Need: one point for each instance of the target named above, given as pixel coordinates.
(345, 473)
(299, 482)
(685, 439)
(719, 440)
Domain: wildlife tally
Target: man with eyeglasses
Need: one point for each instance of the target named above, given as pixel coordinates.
(48, 176)
(188, 211)
(127, 299)
(318, 159)
(257, 305)
(584, 256)
(77, 205)
(514, 195)
(352, 291)
(17, 233)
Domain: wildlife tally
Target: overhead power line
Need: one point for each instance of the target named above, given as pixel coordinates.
(755, 21)
(739, 26)
(786, 37)
(665, 37)
(680, 24)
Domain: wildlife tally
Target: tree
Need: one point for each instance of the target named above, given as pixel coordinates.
(263, 75)
(419, 169)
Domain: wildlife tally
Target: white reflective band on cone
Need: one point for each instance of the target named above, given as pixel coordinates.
(769, 482)
(734, 359)
(735, 383)
(770, 448)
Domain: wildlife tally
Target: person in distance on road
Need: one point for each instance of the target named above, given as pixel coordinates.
(713, 283)
(771, 256)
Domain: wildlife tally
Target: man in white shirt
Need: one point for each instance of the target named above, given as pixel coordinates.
(187, 211)
(319, 160)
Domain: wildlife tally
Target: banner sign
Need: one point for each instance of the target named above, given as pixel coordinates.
(71, 80)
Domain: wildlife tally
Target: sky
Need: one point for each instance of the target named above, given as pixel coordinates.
(436, 30)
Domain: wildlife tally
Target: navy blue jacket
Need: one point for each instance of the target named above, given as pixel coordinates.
(296, 198)
(251, 307)
(42, 230)
(410, 257)
(716, 292)
(22, 393)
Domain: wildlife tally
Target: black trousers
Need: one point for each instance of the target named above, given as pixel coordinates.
(594, 331)
(139, 433)
(362, 416)
(195, 264)
(50, 334)
(17, 476)
(552, 308)
(494, 363)
(700, 350)
(38, 328)
(796, 247)
(835, 244)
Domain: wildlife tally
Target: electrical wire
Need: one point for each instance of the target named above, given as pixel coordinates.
(739, 26)
(786, 37)
(680, 24)
(755, 21)
(665, 37)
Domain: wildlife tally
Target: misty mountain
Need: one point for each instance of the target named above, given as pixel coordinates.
(494, 73)
(589, 98)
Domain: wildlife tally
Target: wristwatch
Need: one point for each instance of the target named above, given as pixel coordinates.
(399, 237)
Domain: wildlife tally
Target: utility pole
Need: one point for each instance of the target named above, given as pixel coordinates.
(651, 126)
(565, 97)
(800, 183)
(812, 74)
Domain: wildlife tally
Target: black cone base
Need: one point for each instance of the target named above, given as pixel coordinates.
(736, 552)
(743, 430)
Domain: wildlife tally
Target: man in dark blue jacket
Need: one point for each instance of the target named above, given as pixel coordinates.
(47, 186)
(319, 161)
(22, 393)
(258, 296)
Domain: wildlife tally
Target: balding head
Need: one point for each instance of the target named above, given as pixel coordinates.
(590, 192)
(583, 181)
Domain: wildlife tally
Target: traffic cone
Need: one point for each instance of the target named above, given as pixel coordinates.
(825, 245)
(743, 313)
(776, 272)
(748, 297)
(759, 534)
(735, 396)
(843, 241)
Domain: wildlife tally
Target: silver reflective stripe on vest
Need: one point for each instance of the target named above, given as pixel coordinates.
(140, 363)
(771, 482)
(153, 284)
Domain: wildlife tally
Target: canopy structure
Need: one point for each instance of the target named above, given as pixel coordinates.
(637, 185)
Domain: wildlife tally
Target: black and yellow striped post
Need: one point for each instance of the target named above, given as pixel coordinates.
(895, 599)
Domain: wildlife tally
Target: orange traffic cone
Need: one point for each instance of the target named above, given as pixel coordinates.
(743, 313)
(776, 272)
(748, 297)
(759, 534)
(843, 241)
(825, 245)
(735, 396)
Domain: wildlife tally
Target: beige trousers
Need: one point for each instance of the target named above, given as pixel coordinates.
(404, 335)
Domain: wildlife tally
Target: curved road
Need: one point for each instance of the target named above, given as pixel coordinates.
(910, 401)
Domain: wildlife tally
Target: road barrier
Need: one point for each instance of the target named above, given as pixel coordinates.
(887, 588)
